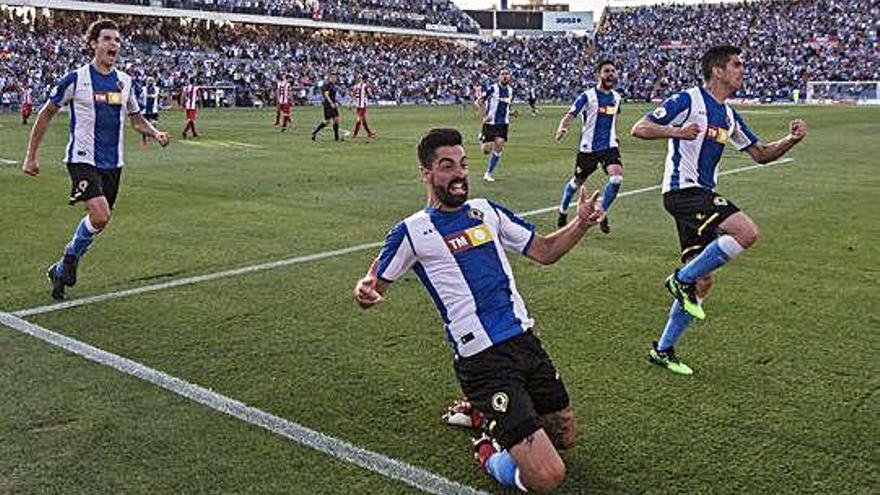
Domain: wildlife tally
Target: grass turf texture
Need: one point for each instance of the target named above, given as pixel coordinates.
(784, 399)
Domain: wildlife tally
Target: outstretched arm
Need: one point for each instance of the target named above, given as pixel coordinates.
(766, 153)
(369, 291)
(564, 124)
(31, 165)
(546, 250)
(146, 128)
(645, 129)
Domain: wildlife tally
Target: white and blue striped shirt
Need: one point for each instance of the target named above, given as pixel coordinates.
(498, 98)
(98, 106)
(694, 163)
(150, 98)
(598, 111)
(459, 258)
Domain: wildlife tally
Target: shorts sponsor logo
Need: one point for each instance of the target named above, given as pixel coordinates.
(500, 400)
(82, 185)
(719, 201)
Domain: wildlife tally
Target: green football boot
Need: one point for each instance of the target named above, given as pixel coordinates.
(669, 360)
(686, 294)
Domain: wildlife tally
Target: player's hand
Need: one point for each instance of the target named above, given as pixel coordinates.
(514, 113)
(560, 134)
(588, 209)
(690, 131)
(797, 129)
(162, 138)
(365, 292)
(31, 166)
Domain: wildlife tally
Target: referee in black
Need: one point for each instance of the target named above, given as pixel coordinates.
(331, 107)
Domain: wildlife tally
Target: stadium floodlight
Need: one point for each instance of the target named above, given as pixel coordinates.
(853, 92)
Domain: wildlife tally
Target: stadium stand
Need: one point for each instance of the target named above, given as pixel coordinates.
(656, 49)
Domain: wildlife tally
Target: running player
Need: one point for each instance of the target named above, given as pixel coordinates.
(598, 108)
(26, 101)
(150, 99)
(494, 107)
(99, 97)
(282, 102)
(711, 229)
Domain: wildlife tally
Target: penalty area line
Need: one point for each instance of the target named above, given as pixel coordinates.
(107, 296)
(388, 467)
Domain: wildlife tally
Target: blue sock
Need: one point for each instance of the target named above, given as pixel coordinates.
(494, 158)
(611, 190)
(82, 238)
(502, 467)
(568, 191)
(715, 255)
(679, 319)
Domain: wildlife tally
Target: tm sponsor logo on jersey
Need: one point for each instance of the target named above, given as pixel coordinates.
(464, 240)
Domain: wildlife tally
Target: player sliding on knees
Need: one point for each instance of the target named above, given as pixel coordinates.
(457, 248)
(711, 229)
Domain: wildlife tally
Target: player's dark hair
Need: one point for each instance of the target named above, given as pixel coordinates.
(95, 28)
(603, 63)
(717, 56)
(436, 138)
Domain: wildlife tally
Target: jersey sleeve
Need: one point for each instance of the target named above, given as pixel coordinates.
(742, 137)
(62, 93)
(397, 255)
(132, 106)
(579, 103)
(515, 233)
(673, 111)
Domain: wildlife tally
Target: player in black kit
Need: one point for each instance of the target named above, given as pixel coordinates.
(331, 107)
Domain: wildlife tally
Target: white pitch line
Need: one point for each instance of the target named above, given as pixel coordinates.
(418, 478)
(72, 303)
(7, 161)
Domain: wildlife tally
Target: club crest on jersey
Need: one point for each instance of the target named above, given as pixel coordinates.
(475, 214)
(659, 113)
(464, 240)
(718, 134)
(500, 400)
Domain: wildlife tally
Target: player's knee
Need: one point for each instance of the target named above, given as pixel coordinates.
(748, 237)
(616, 179)
(547, 478)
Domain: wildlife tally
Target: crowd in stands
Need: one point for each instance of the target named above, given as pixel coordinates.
(656, 49)
(392, 13)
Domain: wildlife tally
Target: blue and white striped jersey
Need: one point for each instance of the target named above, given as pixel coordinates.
(694, 163)
(98, 106)
(598, 111)
(459, 258)
(150, 97)
(498, 100)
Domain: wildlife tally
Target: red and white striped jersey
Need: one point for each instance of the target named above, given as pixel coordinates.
(190, 96)
(360, 94)
(26, 98)
(282, 93)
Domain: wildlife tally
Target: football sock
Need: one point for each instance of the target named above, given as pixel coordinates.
(82, 238)
(336, 131)
(611, 190)
(357, 128)
(679, 319)
(502, 467)
(367, 127)
(318, 129)
(568, 192)
(715, 255)
(277, 117)
(494, 158)
(285, 122)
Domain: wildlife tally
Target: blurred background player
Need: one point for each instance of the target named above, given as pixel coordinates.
(331, 107)
(360, 94)
(533, 101)
(494, 107)
(189, 97)
(98, 96)
(282, 102)
(150, 99)
(598, 108)
(711, 229)
(26, 100)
